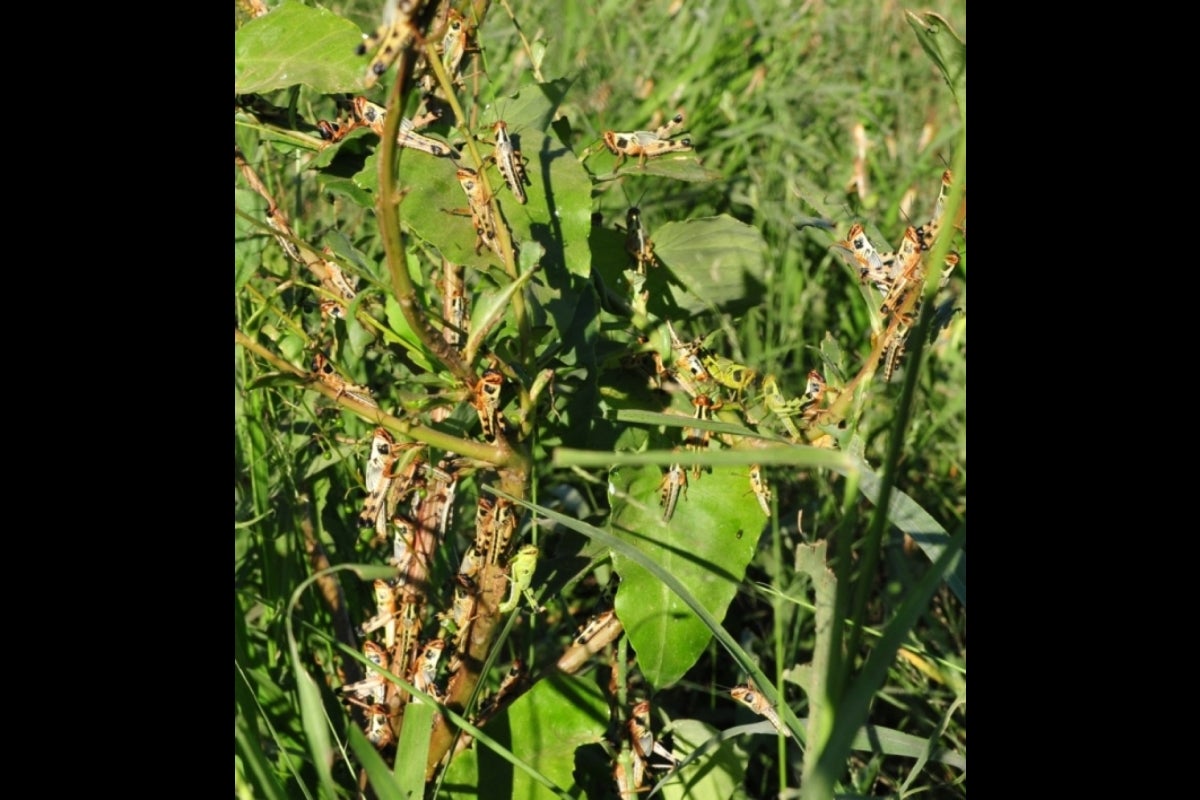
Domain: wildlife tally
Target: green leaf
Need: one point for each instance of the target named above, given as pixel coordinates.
(715, 777)
(718, 260)
(383, 784)
(402, 333)
(412, 750)
(545, 725)
(706, 545)
(297, 44)
(947, 51)
(562, 229)
(620, 546)
(316, 726)
(908, 516)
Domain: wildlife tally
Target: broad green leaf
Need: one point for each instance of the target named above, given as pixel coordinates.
(435, 207)
(545, 726)
(297, 44)
(562, 229)
(679, 167)
(706, 545)
(718, 260)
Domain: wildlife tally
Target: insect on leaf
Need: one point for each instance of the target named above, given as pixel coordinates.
(707, 544)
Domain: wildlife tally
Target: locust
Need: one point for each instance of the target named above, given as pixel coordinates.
(385, 613)
(637, 243)
(425, 672)
(598, 632)
(781, 407)
(455, 44)
(379, 477)
(337, 284)
(871, 266)
(324, 372)
(521, 570)
(729, 373)
(390, 39)
(481, 212)
(672, 484)
(487, 402)
(646, 144)
(758, 485)
(697, 439)
(510, 162)
(753, 699)
(373, 686)
(374, 115)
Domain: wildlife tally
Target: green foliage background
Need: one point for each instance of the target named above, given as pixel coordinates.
(772, 93)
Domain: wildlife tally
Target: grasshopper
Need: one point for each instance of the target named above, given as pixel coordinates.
(324, 372)
(385, 613)
(373, 687)
(907, 275)
(758, 485)
(928, 232)
(425, 671)
(599, 631)
(487, 403)
(404, 545)
(521, 569)
(642, 736)
(510, 162)
(646, 144)
(379, 731)
(494, 529)
(454, 304)
(637, 243)
(379, 477)
(481, 212)
(696, 438)
(871, 266)
(390, 39)
(779, 406)
(753, 699)
(373, 116)
(455, 44)
(729, 373)
(690, 359)
(457, 622)
(672, 484)
(336, 283)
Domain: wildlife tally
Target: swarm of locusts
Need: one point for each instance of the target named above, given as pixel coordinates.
(429, 627)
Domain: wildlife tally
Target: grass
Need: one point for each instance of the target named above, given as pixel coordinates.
(851, 622)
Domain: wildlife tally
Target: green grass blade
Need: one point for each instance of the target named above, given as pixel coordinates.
(412, 751)
(382, 783)
(854, 706)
